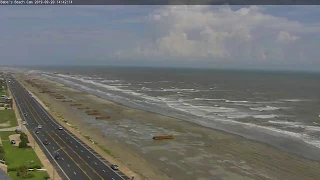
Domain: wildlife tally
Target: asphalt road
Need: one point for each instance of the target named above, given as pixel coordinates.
(78, 161)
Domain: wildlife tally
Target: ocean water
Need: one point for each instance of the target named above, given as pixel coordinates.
(278, 108)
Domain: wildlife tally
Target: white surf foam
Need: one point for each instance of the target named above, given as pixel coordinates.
(203, 111)
(266, 108)
(297, 125)
(293, 100)
(269, 116)
(236, 101)
(208, 99)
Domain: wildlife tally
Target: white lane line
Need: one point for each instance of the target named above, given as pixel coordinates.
(39, 139)
(54, 121)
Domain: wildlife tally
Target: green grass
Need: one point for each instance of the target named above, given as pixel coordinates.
(16, 157)
(8, 115)
(37, 175)
(4, 91)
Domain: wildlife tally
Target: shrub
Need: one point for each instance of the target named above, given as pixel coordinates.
(28, 176)
(1, 149)
(22, 171)
(46, 177)
(24, 137)
(23, 144)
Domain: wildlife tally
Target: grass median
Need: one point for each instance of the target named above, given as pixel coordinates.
(16, 157)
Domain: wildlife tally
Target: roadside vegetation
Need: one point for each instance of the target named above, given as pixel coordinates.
(22, 158)
(8, 116)
(3, 88)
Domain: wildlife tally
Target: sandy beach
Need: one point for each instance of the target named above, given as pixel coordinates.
(195, 153)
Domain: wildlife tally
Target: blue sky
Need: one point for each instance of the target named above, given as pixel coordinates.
(263, 37)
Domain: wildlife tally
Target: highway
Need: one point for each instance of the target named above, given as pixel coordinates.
(77, 160)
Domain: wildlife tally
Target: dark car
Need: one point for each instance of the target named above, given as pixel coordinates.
(13, 142)
(114, 167)
(57, 156)
(45, 142)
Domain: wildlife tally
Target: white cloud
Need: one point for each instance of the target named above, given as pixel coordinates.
(286, 37)
(218, 33)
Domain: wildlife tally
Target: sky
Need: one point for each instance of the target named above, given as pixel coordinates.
(253, 37)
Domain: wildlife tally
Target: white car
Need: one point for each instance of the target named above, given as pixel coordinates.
(114, 167)
(60, 128)
(39, 127)
(24, 122)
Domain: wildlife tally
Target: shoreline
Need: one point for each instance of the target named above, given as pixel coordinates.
(314, 149)
(234, 166)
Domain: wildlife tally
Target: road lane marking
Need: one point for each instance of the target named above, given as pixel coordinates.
(54, 160)
(82, 143)
(21, 113)
(68, 155)
(78, 155)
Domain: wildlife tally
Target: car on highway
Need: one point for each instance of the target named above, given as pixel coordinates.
(114, 167)
(37, 132)
(45, 142)
(39, 127)
(57, 156)
(60, 128)
(24, 122)
(25, 114)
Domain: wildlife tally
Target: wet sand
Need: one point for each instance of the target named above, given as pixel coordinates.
(195, 153)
